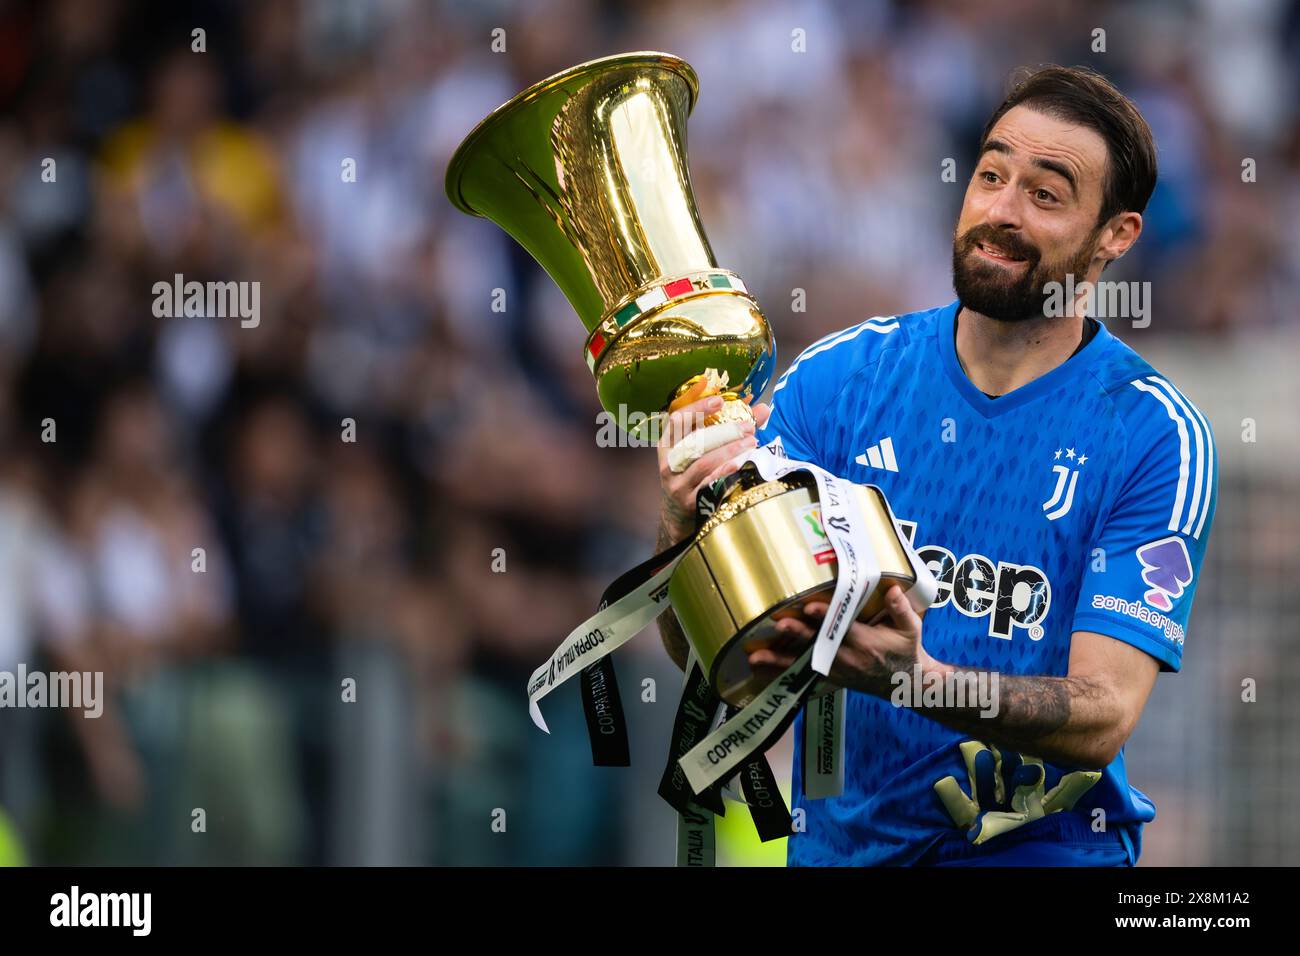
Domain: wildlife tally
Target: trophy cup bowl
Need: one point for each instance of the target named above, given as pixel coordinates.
(587, 171)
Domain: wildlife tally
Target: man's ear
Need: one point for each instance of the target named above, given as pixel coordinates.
(1119, 235)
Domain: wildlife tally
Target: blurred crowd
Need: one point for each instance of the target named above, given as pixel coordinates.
(243, 526)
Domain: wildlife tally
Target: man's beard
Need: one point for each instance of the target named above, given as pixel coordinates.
(999, 293)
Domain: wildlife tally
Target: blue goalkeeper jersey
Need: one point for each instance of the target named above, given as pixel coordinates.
(1081, 501)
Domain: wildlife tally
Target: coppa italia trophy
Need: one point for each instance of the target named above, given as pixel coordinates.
(587, 170)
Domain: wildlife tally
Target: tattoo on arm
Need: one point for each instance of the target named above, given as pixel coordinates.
(1050, 717)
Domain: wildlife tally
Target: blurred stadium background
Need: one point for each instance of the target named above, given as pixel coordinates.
(476, 430)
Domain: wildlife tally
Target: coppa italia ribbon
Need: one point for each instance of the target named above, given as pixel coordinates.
(695, 717)
(607, 631)
(761, 722)
(601, 701)
(823, 724)
(631, 602)
(823, 746)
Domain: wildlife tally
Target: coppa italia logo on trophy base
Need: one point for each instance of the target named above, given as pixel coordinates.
(810, 524)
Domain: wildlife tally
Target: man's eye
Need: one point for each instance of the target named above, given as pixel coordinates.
(1044, 196)
(989, 176)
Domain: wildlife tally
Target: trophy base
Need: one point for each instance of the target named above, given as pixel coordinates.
(759, 559)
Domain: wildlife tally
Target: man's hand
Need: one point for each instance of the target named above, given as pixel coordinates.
(869, 655)
(677, 513)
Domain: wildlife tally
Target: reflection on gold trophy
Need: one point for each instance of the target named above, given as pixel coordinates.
(587, 170)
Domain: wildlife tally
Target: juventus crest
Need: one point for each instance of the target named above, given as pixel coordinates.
(1067, 476)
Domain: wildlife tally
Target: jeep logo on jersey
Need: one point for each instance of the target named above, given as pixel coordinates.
(1167, 568)
(1010, 595)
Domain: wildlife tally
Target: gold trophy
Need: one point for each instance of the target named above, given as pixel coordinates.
(587, 170)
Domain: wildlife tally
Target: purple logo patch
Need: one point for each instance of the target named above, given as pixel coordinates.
(1167, 569)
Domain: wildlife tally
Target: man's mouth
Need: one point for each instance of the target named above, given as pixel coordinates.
(991, 251)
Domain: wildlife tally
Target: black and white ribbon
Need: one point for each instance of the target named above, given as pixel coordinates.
(823, 745)
(823, 726)
(630, 603)
(602, 703)
(696, 838)
(696, 714)
(761, 722)
(601, 634)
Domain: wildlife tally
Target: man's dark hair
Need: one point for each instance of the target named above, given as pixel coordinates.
(1080, 95)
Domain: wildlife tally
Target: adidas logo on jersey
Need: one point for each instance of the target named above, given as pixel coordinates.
(880, 456)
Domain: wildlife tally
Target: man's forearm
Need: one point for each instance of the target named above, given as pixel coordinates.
(1068, 720)
(674, 640)
(670, 630)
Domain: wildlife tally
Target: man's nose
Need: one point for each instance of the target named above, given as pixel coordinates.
(1005, 210)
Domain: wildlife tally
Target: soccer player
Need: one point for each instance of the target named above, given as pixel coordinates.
(1061, 489)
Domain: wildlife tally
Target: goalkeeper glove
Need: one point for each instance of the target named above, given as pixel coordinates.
(1006, 791)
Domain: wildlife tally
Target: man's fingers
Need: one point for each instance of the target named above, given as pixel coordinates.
(722, 471)
(695, 474)
(900, 608)
(702, 441)
(686, 419)
(728, 467)
(684, 488)
(897, 612)
(794, 628)
(767, 658)
(788, 643)
(762, 412)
